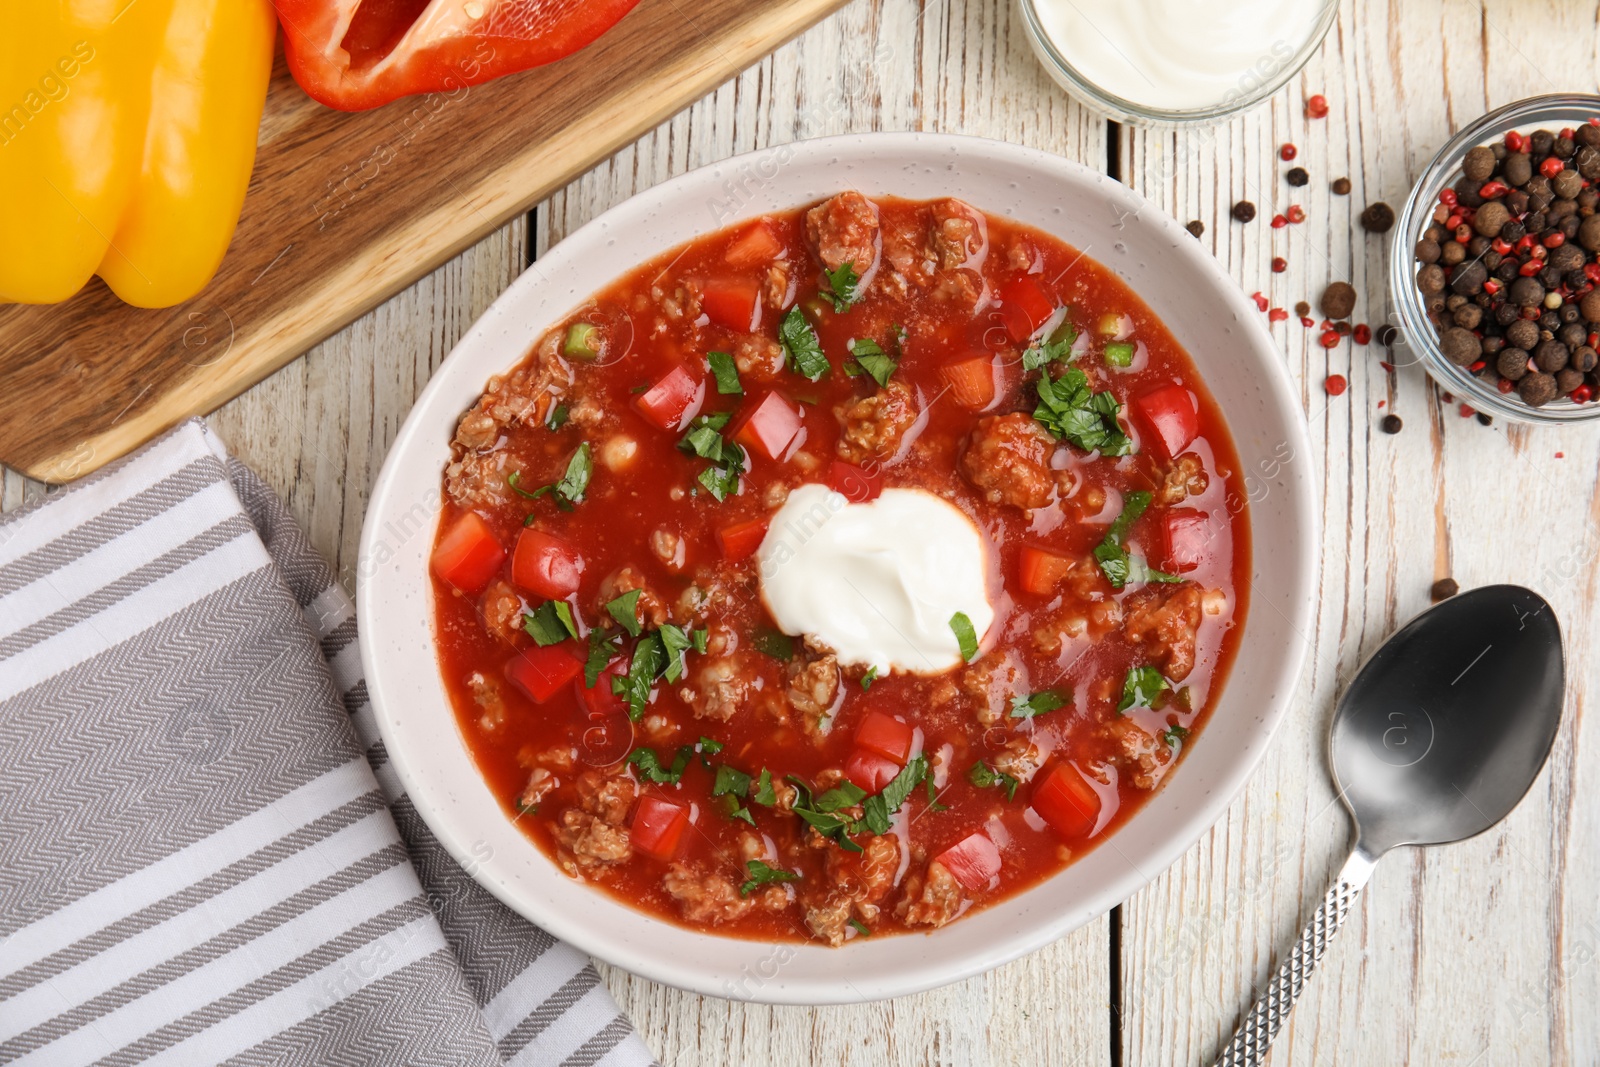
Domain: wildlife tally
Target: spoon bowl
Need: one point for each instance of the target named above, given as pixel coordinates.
(1446, 726)
(1440, 735)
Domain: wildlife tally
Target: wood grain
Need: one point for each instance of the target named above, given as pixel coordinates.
(1483, 953)
(344, 210)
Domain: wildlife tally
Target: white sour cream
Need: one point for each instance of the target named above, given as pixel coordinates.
(1179, 54)
(878, 582)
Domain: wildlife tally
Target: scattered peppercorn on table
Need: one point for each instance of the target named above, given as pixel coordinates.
(1485, 952)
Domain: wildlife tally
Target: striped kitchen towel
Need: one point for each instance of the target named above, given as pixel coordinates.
(203, 855)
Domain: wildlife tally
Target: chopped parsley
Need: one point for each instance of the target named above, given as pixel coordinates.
(841, 288)
(800, 342)
(761, 874)
(1040, 703)
(764, 794)
(557, 418)
(1118, 565)
(1072, 411)
(708, 747)
(550, 623)
(725, 372)
(675, 643)
(625, 609)
(601, 648)
(635, 686)
(870, 358)
(704, 439)
(650, 767)
(1140, 688)
(877, 810)
(868, 678)
(1174, 736)
(774, 643)
(730, 781)
(1057, 348)
(984, 776)
(860, 927)
(566, 493)
(966, 636)
(933, 795)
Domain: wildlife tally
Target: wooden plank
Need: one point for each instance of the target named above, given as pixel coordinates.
(886, 64)
(343, 211)
(1482, 952)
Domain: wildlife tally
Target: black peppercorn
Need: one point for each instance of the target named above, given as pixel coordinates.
(1244, 211)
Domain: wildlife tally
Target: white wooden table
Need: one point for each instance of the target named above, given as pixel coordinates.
(1486, 952)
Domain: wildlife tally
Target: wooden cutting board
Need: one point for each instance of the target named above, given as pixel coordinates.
(343, 211)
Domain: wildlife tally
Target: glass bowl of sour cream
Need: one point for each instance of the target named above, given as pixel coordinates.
(1164, 62)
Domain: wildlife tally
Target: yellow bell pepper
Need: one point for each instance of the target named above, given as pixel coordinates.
(127, 136)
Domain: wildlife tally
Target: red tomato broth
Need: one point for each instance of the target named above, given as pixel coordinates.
(612, 528)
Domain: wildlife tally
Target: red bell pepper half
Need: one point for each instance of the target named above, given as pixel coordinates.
(359, 54)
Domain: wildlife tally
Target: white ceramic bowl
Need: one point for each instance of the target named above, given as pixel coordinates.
(1157, 257)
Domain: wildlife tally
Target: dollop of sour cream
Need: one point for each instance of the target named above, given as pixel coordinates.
(1179, 54)
(877, 582)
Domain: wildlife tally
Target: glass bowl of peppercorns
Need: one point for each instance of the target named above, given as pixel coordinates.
(1495, 267)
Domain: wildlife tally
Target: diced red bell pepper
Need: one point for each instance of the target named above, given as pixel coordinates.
(1065, 799)
(886, 735)
(658, 827)
(1040, 572)
(869, 770)
(607, 735)
(740, 540)
(971, 381)
(973, 861)
(468, 554)
(1188, 538)
(542, 671)
(1024, 307)
(755, 247)
(358, 54)
(673, 400)
(769, 426)
(546, 565)
(734, 303)
(853, 483)
(1168, 412)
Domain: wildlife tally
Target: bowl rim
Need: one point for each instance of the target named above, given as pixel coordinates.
(1064, 74)
(1415, 330)
(1260, 722)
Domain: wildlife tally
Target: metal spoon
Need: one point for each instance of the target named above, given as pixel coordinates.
(1436, 740)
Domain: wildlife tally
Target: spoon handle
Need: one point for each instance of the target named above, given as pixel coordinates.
(1271, 1009)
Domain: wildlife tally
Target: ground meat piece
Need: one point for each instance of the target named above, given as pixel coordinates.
(651, 610)
(874, 426)
(476, 473)
(607, 794)
(1008, 460)
(1186, 478)
(813, 689)
(1138, 751)
(486, 694)
(679, 303)
(502, 611)
(759, 359)
(667, 547)
(844, 230)
(1164, 619)
(963, 288)
(990, 680)
(908, 252)
(930, 900)
(720, 687)
(775, 290)
(591, 842)
(704, 897)
(540, 781)
(959, 234)
(1020, 758)
(854, 887)
(1020, 253)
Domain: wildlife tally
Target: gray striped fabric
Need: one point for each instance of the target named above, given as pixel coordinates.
(203, 855)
